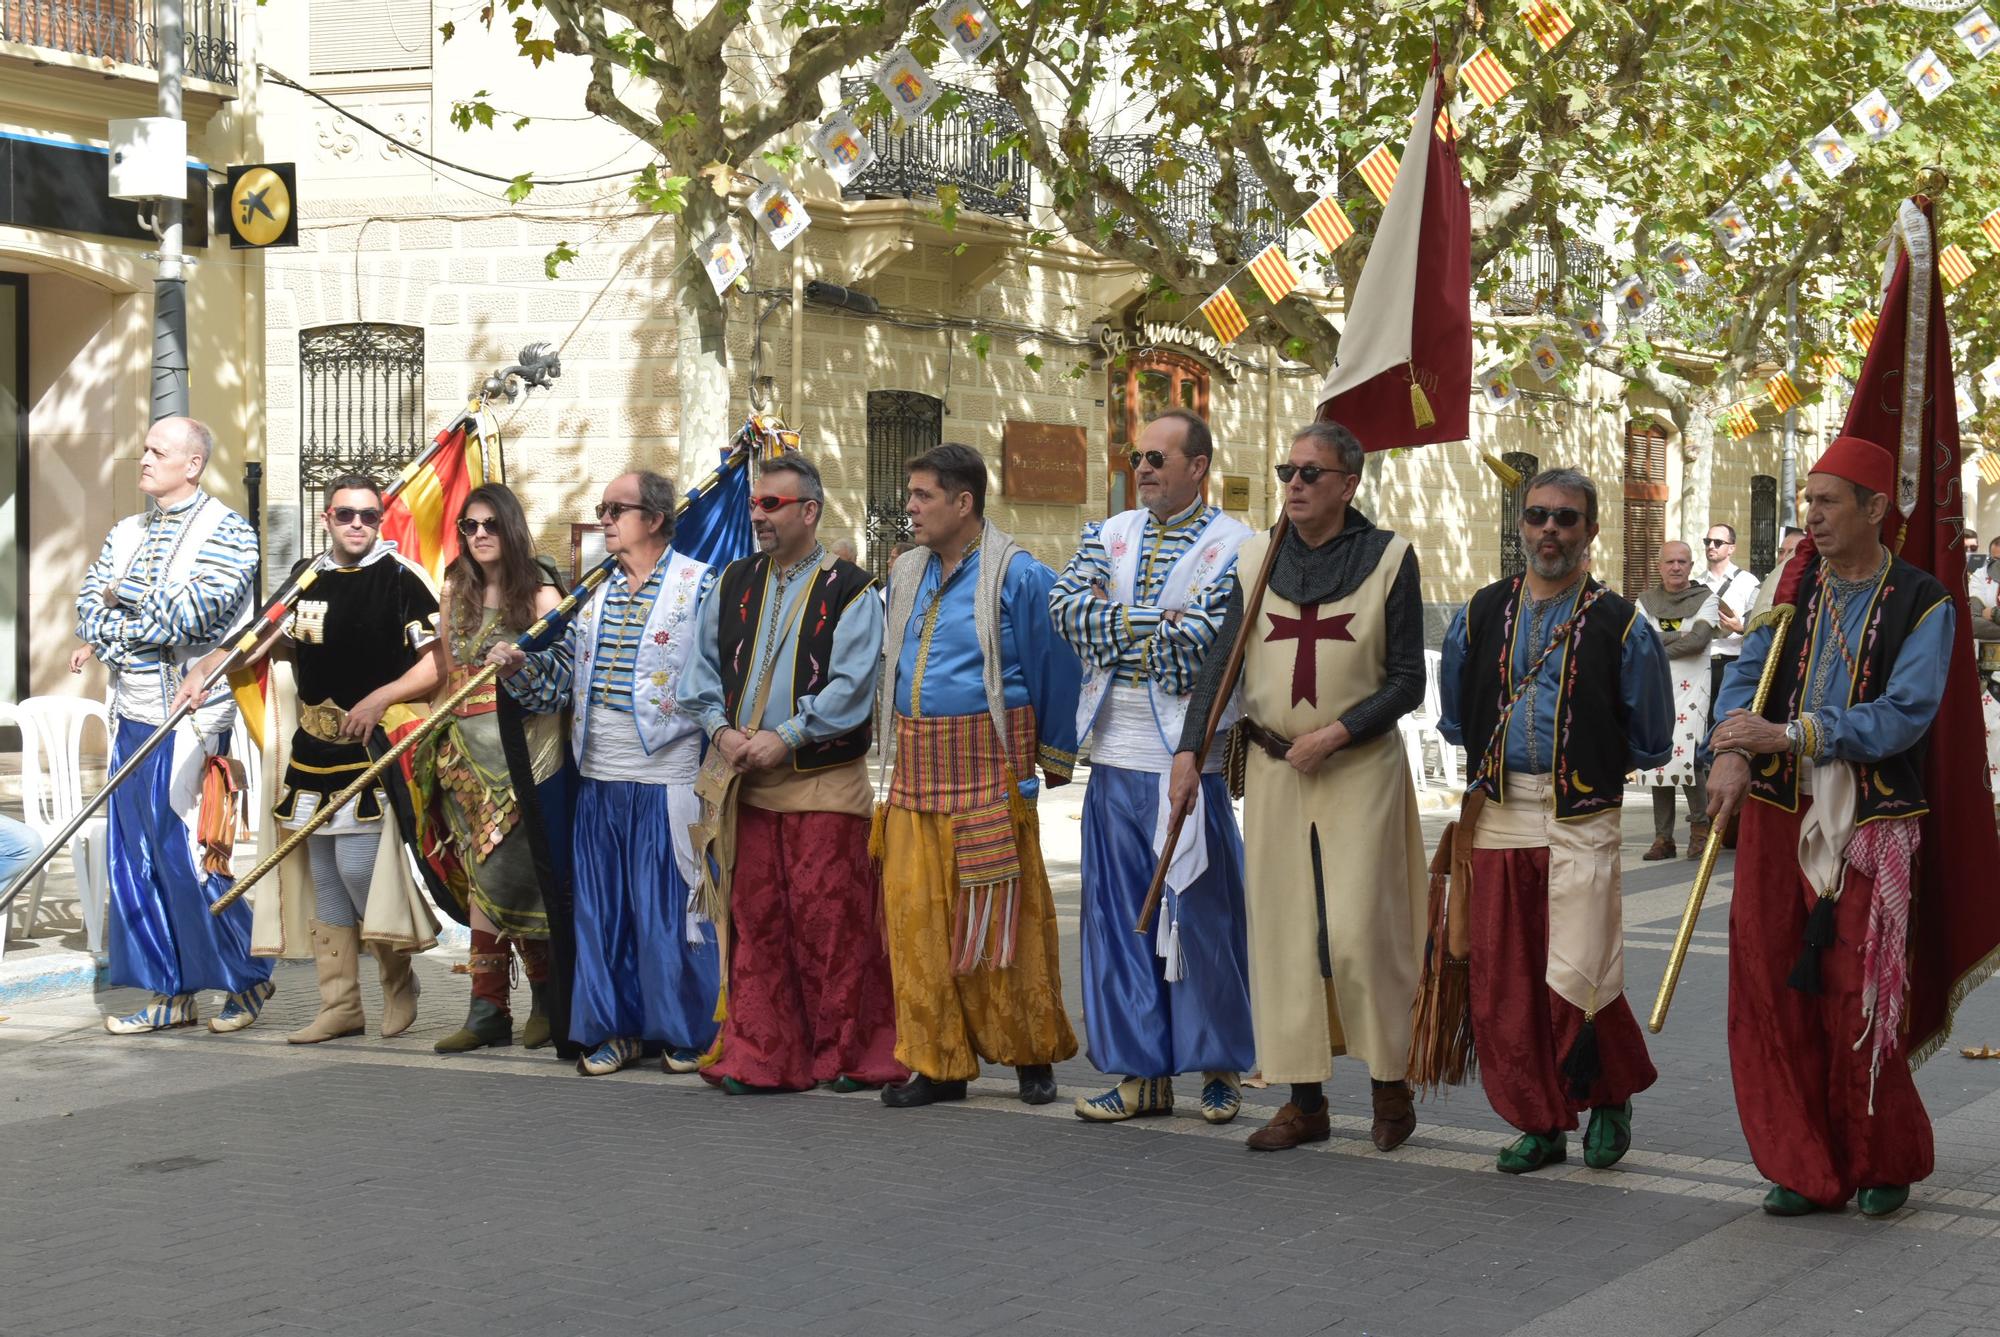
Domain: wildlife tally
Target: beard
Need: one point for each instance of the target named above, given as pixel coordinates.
(1568, 557)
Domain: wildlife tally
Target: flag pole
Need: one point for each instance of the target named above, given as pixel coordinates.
(537, 637)
(537, 368)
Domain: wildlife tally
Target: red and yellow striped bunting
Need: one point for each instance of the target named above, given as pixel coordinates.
(1547, 23)
(1444, 127)
(1486, 76)
(1274, 273)
(1740, 421)
(1990, 225)
(1989, 466)
(1379, 169)
(1862, 327)
(1784, 395)
(1225, 316)
(1328, 221)
(1831, 367)
(1954, 264)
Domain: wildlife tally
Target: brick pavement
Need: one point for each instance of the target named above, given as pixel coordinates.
(190, 1183)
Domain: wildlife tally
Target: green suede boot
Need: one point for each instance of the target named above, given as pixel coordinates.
(1882, 1199)
(486, 1026)
(1532, 1151)
(1781, 1201)
(1608, 1136)
(535, 1034)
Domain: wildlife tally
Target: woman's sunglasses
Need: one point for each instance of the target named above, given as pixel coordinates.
(469, 526)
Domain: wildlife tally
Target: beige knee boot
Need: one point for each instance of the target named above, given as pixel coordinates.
(399, 989)
(336, 951)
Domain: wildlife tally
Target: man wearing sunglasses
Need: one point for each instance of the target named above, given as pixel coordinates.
(1334, 874)
(168, 584)
(345, 664)
(782, 679)
(977, 691)
(1141, 603)
(1557, 688)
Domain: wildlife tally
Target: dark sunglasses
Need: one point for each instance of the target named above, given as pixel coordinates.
(469, 526)
(1566, 517)
(611, 510)
(1156, 458)
(347, 515)
(769, 504)
(1715, 543)
(1305, 473)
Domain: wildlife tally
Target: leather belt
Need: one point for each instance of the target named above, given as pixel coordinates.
(323, 721)
(1275, 745)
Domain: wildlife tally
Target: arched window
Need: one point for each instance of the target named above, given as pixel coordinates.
(1763, 525)
(1645, 504)
(1513, 558)
(362, 410)
(1142, 390)
(902, 424)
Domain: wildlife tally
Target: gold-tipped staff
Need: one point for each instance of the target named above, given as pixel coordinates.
(546, 628)
(537, 367)
(1782, 617)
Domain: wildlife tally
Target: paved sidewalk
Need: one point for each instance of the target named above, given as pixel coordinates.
(189, 1183)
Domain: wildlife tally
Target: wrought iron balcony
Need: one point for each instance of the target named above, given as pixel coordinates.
(123, 30)
(1179, 182)
(1528, 280)
(962, 149)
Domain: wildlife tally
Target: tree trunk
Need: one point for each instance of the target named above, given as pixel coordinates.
(701, 351)
(1698, 440)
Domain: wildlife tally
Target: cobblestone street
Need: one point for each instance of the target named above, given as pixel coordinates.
(199, 1184)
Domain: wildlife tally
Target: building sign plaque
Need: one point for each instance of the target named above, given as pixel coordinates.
(1044, 462)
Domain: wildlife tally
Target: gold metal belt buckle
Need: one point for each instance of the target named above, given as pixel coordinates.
(323, 721)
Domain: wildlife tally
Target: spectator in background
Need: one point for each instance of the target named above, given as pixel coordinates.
(1788, 543)
(1735, 592)
(18, 845)
(1683, 613)
(845, 550)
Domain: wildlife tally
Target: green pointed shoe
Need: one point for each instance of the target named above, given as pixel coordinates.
(1781, 1201)
(1532, 1151)
(1882, 1199)
(1608, 1136)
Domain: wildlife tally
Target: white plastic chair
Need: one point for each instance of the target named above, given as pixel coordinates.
(1410, 729)
(52, 729)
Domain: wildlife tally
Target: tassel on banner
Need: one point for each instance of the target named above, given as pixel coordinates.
(1420, 404)
(1508, 475)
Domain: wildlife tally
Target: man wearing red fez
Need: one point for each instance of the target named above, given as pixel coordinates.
(1848, 944)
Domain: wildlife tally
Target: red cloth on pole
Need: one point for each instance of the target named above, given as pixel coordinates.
(1378, 410)
(1801, 1085)
(1954, 923)
(810, 997)
(1521, 1027)
(423, 519)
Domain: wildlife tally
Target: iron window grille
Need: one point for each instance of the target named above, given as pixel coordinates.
(363, 409)
(902, 424)
(964, 148)
(1531, 285)
(1179, 181)
(123, 30)
(1513, 556)
(1763, 525)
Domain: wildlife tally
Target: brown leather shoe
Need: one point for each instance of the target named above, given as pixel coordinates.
(1289, 1128)
(1697, 839)
(1395, 1116)
(1661, 848)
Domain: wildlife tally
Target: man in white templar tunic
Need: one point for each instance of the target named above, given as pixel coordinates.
(1684, 612)
(1335, 877)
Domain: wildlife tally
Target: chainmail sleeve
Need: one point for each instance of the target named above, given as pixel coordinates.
(1208, 679)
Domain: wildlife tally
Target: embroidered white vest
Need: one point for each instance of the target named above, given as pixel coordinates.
(656, 665)
(1211, 557)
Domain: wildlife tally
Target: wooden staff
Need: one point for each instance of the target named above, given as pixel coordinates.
(1685, 935)
(1252, 606)
(546, 628)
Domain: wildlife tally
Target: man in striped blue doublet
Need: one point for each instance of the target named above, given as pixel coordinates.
(1141, 603)
(167, 587)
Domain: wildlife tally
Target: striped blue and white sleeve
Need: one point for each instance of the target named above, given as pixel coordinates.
(198, 609)
(103, 629)
(1100, 630)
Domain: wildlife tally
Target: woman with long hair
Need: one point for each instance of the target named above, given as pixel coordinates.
(494, 771)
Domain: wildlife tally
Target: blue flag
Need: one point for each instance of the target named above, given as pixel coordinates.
(715, 527)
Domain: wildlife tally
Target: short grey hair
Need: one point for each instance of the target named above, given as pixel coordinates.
(1332, 436)
(796, 464)
(200, 440)
(1568, 480)
(656, 494)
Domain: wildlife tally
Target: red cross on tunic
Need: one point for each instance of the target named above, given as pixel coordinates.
(1308, 631)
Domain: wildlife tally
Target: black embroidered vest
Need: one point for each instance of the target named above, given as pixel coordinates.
(743, 591)
(1592, 748)
(1893, 786)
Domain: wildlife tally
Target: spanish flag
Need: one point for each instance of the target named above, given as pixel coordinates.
(421, 519)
